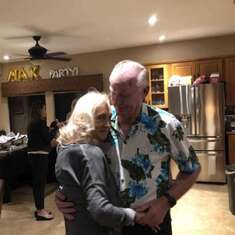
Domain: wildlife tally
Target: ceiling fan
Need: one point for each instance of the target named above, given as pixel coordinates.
(38, 52)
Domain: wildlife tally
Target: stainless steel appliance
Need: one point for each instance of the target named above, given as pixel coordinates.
(201, 111)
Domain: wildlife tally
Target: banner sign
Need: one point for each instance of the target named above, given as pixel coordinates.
(22, 74)
(65, 72)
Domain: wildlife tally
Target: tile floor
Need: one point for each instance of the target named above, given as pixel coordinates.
(202, 211)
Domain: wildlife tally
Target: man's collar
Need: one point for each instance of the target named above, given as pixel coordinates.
(114, 117)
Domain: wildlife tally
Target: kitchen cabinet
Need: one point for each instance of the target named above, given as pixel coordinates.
(231, 148)
(158, 85)
(183, 69)
(159, 75)
(230, 80)
(208, 67)
(195, 68)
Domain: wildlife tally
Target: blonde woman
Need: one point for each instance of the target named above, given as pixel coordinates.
(83, 171)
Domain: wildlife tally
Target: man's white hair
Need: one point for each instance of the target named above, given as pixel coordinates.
(125, 67)
(80, 126)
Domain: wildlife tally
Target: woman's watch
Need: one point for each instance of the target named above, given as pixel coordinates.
(171, 200)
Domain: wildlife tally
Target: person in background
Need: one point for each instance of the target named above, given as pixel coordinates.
(2, 132)
(54, 133)
(146, 140)
(71, 108)
(2, 182)
(39, 144)
(54, 128)
(2, 175)
(83, 171)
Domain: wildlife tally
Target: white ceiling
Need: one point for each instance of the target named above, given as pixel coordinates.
(79, 26)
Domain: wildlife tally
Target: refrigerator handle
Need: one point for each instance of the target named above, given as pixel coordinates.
(187, 102)
(193, 117)
(197, 109)
(181, 100)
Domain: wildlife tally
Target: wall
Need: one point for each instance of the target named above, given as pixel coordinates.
(4, 113)
(50, 108)
(1, 66)
(102, 62)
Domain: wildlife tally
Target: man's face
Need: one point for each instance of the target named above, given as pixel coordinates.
(127, 98)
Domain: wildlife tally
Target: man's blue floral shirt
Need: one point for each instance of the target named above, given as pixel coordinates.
(141, 161)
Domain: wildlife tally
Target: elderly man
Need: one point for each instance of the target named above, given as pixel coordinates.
(145, 140)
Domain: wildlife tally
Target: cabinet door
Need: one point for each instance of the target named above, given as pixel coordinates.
(183, 69)
(208, 67)
(231, 149)
(158, 84)
(230, 80)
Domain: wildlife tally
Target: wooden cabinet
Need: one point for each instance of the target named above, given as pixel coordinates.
(159, 76)
(230, 80)
(208, 67)
(158, 85)
(195, 68)
(183, 69)
(231, 148)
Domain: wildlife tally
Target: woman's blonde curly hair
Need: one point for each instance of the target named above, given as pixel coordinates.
(80, 126)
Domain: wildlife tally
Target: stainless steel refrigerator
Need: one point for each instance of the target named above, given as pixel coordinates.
(201, 111)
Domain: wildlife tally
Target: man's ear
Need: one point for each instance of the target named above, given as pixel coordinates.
(146, 91)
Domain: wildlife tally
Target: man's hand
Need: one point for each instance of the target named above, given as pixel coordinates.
(67, 208)
(155, 212)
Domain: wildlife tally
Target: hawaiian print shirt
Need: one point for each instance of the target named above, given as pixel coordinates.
(141, 161)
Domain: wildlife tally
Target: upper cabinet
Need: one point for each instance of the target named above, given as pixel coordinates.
(195, 68)
(158, 85)
(230, 80)
(183, 69)
(208, 67)
(160, 74)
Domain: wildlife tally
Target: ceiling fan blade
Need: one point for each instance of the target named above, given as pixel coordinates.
(26, 37)
(58, 53)
(36, 58)
(58, 58)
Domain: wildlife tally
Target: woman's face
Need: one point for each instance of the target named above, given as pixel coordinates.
(102, 122)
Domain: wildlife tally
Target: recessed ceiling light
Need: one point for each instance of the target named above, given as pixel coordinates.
(162, 38)
(6, 57)
(152, 20)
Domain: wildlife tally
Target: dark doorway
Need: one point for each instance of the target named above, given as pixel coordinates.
(19, 108)
(63, 103)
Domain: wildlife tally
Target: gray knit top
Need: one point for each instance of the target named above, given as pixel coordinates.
(86, 179)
